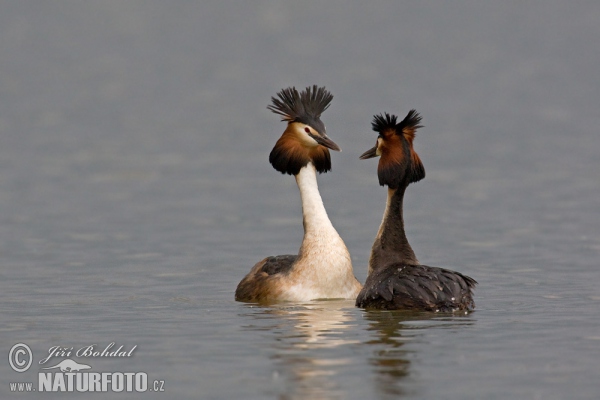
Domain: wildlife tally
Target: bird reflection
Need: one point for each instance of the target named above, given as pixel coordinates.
(392, 330)
(322, 344)
(389, 359)
(312, 348)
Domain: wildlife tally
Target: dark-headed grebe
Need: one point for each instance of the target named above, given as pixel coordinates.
(322, 268)
(395, 279)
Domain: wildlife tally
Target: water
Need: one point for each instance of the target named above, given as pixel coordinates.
(135, 193)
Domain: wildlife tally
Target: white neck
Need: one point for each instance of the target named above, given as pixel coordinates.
(313, 211)
(323, 268)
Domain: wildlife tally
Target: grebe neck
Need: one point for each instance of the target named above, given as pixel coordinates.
(315, 217)
(391, 244)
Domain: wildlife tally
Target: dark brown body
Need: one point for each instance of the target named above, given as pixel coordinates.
(417, 287)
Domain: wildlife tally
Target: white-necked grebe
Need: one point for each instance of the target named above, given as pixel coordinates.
(322, 268)
(396, 279)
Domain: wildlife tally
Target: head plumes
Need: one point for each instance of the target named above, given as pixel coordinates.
(399, 163)
(383, 123)
(306, 106)
(408, 126)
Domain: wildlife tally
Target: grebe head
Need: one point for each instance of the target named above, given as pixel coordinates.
(399, 163)
(305, 139)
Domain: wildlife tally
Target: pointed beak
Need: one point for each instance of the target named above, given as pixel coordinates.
(369, 153)
(324, 140)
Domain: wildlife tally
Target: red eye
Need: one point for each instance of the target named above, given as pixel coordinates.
(307, 130)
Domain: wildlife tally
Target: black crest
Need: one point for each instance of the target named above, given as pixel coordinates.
(381, 123)
(306, 106)
(409, 124)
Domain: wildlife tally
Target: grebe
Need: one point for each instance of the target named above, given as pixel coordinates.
(396, 279)
(322, 268)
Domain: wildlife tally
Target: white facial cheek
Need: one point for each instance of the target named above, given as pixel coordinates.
(378, 151)
(307, 140)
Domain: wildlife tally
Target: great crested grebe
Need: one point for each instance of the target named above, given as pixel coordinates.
(322, 268)
(395, 278)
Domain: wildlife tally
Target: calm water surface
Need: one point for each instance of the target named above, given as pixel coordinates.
(135, 193)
